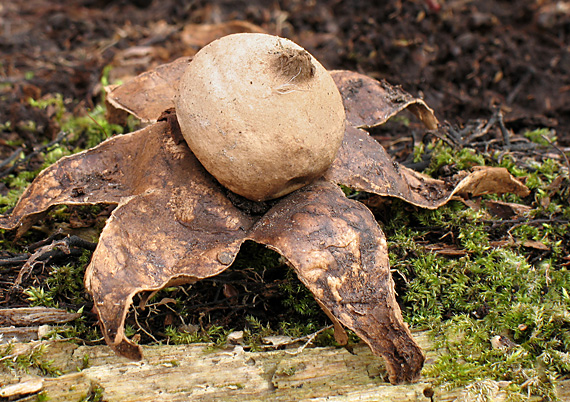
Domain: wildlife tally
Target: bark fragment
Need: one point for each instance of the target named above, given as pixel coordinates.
(26, 316)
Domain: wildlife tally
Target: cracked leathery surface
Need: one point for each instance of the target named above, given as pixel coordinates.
(339, 252)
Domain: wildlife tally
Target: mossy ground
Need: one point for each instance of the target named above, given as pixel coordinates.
(488, 276)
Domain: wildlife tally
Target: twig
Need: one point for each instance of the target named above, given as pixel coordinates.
(553, 145)
(504, 131)
(307, 338)
(310, 339)
(480, 132)
(14, 260)
(450, 138)
(12, 157)
(45, 241)
(67, 246)
(519, 222)
(142, 328)
(521, 84)
(60, 137)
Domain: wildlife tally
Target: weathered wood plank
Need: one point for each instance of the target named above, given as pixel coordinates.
(199, 373)
(31, 316)
(30, 323)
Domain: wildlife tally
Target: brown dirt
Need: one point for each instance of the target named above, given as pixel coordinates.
(465, 59)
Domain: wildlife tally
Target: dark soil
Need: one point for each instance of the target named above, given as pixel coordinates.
(466, 59)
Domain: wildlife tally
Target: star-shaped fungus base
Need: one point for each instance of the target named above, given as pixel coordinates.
(175, 224)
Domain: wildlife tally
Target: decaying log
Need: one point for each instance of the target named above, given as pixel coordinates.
(30, 323)
(199, 373)
(26, 316)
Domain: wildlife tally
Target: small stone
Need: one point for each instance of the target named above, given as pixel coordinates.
(235, 337)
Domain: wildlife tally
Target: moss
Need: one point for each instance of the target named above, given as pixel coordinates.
(77, 132)
(42, 396)
(297, 298)
(35, 360)
(63, 288)
(214, 334)
(95, 394)
(443, 155)
(541, 136)
(497, 284)
(16, 185)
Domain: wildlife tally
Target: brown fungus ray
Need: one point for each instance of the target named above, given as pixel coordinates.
(158, 239)
(370, 103)
(181, 229)
(122, 166)
(101, 175)
(158, 85)
(340, 254)
(363, 164)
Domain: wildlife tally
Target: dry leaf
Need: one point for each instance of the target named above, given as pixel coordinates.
(536, 245)
(490, 180)
(446, 249)
(507, 210)
(199, 35)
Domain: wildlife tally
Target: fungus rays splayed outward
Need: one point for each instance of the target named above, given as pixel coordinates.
(174, 223)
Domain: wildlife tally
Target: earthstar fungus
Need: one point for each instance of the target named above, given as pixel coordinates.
(261, 114)
(174, 223)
